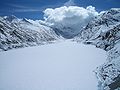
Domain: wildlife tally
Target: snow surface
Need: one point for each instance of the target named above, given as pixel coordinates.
(62, 66)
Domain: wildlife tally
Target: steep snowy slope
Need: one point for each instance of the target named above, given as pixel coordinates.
(103, 23)
(16, 33)
(104, 33)
(61, 66)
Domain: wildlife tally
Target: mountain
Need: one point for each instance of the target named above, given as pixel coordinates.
(16, 33)
(104, 33)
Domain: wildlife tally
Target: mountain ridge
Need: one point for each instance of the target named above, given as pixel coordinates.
(15, 33)
(103, 32)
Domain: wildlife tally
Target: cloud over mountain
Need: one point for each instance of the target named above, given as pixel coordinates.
(69, 3)
(73, 17)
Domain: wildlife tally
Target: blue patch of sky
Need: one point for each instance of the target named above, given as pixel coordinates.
(33, 9)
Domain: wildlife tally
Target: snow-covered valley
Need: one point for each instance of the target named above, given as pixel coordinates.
(65, 65)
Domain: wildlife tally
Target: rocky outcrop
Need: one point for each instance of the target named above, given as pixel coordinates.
(17, 33)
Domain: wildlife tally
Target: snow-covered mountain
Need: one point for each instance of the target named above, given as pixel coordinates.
(104, 33)
(16, 33)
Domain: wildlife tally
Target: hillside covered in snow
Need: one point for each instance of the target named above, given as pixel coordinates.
(82, 25)
(18, 33)
(104, 33)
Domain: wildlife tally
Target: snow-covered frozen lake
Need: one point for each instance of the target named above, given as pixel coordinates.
(62, 66)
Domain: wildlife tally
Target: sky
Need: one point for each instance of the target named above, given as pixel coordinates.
(33, 9)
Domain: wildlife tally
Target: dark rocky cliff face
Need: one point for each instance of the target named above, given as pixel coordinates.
(104, 33)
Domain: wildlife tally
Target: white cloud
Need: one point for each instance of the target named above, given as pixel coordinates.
(73, 17)
(69, 3)
(23, 8)
(27, 10)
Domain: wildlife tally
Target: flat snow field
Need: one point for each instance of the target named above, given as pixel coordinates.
(61, 66)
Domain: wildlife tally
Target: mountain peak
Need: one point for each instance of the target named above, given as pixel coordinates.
(114, 11)
(10, 18)
(25, 20)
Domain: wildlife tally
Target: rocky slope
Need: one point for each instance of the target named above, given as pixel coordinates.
(16, 33)
(104, 33)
